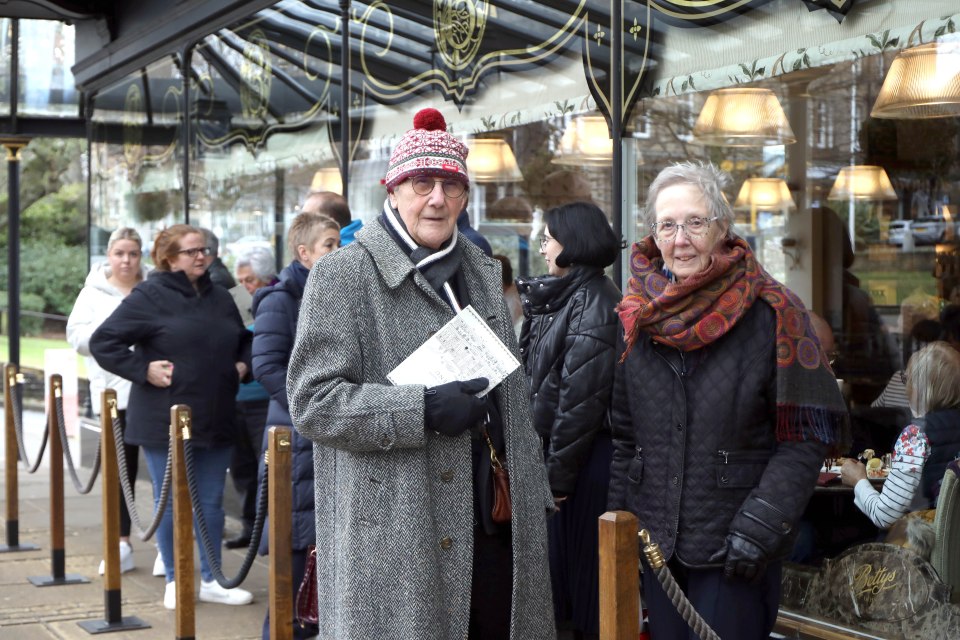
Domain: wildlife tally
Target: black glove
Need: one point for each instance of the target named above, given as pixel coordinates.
(452, 408)
(745, 560)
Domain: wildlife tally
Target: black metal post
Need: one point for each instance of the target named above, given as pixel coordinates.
(616, 130)
(13, 147)
(345, 97)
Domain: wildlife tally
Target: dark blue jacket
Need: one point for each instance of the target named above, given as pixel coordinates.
(943, 430)
(474, 236)
(200, 332)
(275, 310)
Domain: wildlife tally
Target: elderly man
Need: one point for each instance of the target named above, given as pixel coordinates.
(407, 545)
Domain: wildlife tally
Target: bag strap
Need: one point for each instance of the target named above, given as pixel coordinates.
(494, 460)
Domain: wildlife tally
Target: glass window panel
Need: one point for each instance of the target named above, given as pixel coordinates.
(136, 156)
(46, 86)
(263, 115)
(6, 55)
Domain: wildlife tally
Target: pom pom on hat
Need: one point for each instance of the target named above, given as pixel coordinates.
(429, 119)
(429, 150)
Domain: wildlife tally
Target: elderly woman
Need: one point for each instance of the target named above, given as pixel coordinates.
(407, 546)
(568, 345)
(107, 285)
(924, 448)
(723, 409)
(255, 269)
(179, 340)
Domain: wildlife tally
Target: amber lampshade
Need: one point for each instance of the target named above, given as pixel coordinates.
(327, 179)
(862, 182)
(585, 142)
(923, 82)
(492, 160)
(765, 194)
(743, 117)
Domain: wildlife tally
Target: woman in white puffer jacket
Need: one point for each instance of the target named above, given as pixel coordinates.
(106, 286)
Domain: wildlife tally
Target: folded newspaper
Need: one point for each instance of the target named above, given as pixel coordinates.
(465, 348)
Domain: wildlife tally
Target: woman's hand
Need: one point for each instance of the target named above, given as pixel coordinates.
(241, 370)
(852, 472)
(160, 373)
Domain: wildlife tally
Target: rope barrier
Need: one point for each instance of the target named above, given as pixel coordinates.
(207, 546)
(16, 397)
(654, 559)
(81, 488)
(143, 534)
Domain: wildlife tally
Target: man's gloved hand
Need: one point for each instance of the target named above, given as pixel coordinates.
(746, 561)
(452, 408)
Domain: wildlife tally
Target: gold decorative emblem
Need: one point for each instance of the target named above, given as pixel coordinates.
(133, 129)
(255, 74)
(458, 27)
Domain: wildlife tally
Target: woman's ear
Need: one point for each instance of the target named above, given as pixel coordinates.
(302, 255)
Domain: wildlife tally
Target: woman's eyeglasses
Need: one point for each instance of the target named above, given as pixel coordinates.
(694, 228)
(544, 241)
(196, 251)
(424, 186)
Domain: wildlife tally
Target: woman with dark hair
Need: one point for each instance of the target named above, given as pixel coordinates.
(567, 344)
(179, 340)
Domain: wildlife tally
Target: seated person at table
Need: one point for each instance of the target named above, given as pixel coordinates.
(924, 448)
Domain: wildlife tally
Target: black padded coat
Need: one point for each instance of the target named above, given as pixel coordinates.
(695, 449)
(568, 348)
(200, 332)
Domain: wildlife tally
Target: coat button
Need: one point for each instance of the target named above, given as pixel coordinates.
(676, 480)
(385, 442)
(679, 427)
(446, 543)
(446, 475)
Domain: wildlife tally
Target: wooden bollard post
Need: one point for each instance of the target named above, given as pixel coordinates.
(10, 377)
(180, 425)
(280, 512)
(109, 472)
(619, 576)
(57, 551)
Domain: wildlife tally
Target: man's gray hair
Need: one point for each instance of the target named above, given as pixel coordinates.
(211, 240)
(261, 262)
(706, 177)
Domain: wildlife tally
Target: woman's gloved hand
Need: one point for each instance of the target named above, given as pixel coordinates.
(746, 561)
(452, 408)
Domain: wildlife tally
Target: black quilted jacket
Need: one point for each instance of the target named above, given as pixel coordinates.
(567, 344)
(695, 451)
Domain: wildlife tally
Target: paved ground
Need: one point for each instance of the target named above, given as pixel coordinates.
(42, 613)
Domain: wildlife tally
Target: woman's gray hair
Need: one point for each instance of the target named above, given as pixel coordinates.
(933, 378)
(261, 262)
(706, 177)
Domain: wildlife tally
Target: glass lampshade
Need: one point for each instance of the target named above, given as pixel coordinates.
(862, 182)
(492, 160)
(923, 82)
(743, 117)
(327, 179)
(586, 142)
(765, 194)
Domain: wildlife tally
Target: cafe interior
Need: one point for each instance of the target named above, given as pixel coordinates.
(837, 120)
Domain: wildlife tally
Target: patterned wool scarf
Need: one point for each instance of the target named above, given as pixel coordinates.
(701, 309)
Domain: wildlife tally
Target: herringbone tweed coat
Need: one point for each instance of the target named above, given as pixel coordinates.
(394, 502)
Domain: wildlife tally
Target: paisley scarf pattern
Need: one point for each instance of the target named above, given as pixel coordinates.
(694, 313)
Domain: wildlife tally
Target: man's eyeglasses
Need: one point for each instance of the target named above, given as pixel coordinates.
(695, 227)
(194, 252)
(544, 240)
(424, 186)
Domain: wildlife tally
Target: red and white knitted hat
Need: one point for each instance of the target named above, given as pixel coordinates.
(427, 150)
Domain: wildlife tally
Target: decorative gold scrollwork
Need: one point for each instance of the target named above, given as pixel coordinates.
(255, 75)
(458, 27)
(133, 110)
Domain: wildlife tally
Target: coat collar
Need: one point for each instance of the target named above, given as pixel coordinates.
(395, 266)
